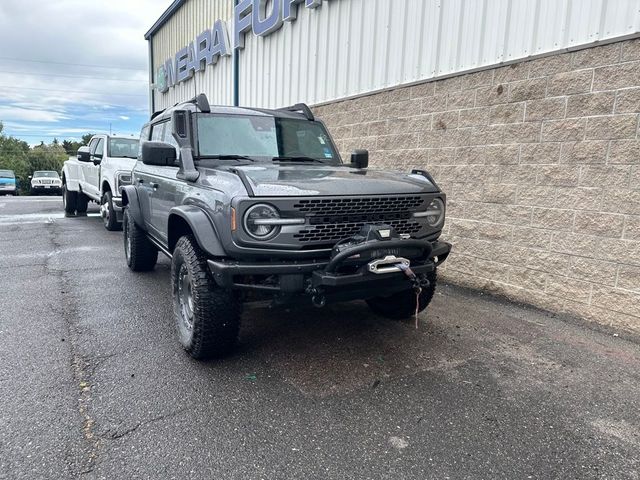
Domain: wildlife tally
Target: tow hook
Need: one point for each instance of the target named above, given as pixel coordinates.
(317, 297)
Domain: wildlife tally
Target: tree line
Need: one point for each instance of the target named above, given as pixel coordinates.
(23, 159)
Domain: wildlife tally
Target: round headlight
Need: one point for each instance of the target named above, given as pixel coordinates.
(435, 213)
(257, 221)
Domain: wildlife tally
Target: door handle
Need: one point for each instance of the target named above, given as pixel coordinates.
(140, 181)
(154, 185)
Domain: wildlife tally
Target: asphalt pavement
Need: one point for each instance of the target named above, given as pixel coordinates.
(93, 383)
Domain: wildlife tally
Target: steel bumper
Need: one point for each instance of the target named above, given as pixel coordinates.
(295, 277)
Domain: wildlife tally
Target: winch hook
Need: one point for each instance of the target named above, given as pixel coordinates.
(317, 297)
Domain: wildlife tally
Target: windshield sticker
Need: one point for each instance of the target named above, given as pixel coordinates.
(327, 153)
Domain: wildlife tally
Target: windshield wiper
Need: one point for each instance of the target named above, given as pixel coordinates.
(125, 156)
(225, 157)
(297, 159)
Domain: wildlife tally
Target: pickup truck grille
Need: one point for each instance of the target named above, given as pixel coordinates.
(333, 219)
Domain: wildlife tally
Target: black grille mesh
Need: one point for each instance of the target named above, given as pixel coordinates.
(333, 219)
(339, 206)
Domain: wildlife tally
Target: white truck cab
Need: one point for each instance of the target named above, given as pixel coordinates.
(98, 174)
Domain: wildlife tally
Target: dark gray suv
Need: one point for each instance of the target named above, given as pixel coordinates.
(250, 203)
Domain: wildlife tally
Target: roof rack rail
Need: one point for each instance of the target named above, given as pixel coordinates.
(155, 114)
(300, 107)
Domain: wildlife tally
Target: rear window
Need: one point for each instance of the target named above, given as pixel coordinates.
(123, 147)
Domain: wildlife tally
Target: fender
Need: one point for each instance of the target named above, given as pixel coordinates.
(131, 201)
(201, 226)
(73, 185)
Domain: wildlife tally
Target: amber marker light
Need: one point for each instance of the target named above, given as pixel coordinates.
(234, 224)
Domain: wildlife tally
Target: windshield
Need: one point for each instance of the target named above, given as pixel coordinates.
(6, 174)
(46, 174)
(264, 138)
(123, 147)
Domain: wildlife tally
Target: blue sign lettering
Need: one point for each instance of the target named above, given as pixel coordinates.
(210, 45)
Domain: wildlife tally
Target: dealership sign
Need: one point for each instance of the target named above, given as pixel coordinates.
(212, 44)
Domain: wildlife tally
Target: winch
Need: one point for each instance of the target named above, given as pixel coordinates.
(380, 255)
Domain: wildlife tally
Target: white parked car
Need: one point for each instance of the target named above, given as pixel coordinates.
(45, 181)
(98, 174)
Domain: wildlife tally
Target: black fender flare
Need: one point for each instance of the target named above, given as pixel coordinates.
(131, 202)
(200, 224)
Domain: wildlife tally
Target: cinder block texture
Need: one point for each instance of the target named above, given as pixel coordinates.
(541, 164)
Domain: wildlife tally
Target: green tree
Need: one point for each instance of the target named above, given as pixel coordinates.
(47, 157)
(71, 147)
(13, 156)
(87, 138)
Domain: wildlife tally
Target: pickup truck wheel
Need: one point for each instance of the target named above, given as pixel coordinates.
(69, 200)
(82, 203)
(207, 317)
(402, 305)
(108, 213)
(140, 253)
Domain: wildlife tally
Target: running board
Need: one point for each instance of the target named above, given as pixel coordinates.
(159, 246)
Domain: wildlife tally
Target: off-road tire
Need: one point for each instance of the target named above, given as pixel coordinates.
(215, 320)
(110, 217)
(140, 253)
(402, 305)
(69, 200)
(81, 204)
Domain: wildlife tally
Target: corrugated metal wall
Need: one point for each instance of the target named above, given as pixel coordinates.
(191, 19)
(349, 47)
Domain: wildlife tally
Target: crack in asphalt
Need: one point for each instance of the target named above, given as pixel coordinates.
(116, 435)
(80, 365)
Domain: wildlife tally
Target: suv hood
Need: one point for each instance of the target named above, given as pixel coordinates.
(307, 180)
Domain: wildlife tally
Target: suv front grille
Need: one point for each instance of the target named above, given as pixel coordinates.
(340, 206)
(334, 219)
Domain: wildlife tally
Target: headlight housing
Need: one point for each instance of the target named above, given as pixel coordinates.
(434, 214)
(261, 221)
(122, 179)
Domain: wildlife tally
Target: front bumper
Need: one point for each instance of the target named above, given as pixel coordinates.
(117, 203)
(313, 276)
(46, 188)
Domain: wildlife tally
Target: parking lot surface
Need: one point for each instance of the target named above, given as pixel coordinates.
(93, 383)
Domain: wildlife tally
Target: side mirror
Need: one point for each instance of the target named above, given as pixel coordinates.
(159, 154)
(84, 155)
(360, 158)
(29, 177)
(97, 158)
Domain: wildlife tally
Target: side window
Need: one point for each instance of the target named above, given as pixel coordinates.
(92, 145)
(99, 147)
(144, 137)
(157, 131)
(167, 137)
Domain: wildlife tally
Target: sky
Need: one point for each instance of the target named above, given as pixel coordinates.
(70, 67)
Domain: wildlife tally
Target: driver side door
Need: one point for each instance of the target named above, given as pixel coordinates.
(92, 171)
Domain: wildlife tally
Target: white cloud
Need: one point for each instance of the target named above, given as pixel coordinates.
(12, 112)
(36, 88)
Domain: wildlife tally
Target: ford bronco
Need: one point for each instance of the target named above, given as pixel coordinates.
(253, 202)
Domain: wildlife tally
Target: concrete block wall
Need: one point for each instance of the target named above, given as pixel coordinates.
(541, 164)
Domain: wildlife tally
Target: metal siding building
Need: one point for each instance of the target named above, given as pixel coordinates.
(351, 47)
(526, 112)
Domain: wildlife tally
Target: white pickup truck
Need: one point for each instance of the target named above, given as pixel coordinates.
(98, 174)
